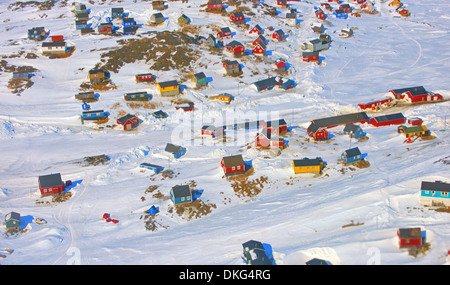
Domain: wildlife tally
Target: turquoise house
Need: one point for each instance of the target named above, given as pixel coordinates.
(435, 193)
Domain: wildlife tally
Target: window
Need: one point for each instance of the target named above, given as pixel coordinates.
(444, 194)
(182, 199)
(233, 168)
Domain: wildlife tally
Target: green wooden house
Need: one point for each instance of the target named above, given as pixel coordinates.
(12, 221)
(184, 20)
(200, 79)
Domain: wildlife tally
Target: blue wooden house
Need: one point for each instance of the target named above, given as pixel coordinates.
(81, 24)
(94, 115)
(352, 155)
(256, 253)
(181, 194)
(435, 193)
(22, 75)
(340, 14)
(128, 22)
(155, 168)
(354, 131)
(176, 150)
(117, 13)
(37, 33)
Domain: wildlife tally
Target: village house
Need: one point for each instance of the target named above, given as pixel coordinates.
(314, 45)
(278, 36)
(232, 67)
(415, 94)
(435, 193)
(282, 3)
(388, 119)
(37, 33)
(105, 28)
(58, 47)
(310, 56)
(280, 64)
(275, 126)
(354, 131)
(12, 221)
(334, 121)
(233, 165)
(352, 155)
(159, 5)
(160, 114)
(259, 49)
(266, 84)
(264, 139)
(144, 77)
(156, 18)
(180, 194)
(375, 105)
(117, 13)
(237, 18)
(320, 14)
(291, 19)
(87, 96)
(345, 7)
(410, 237)
(128, 22)
(212, 131)
(176, 150)
(308, 165)
(215, 5)
(184, 20)
(256, 30)
(254, 253)
(236, 48)
(51, 184)
(224, 33)
(97, 76)
(318, 28)
(200, 79)
(340, 14)
(128, 122)
(169, 88)
(94, 115)
(414, 121)
(326, 6)
(153, 167)
(317, 133)
(81, 24)
(414, 131)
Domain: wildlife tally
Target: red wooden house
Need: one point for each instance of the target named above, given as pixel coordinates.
(346, 8)
(212, 131)
(264, 139)
(58, 38)
(256, 30)
(280, 64)
(145, 77)
(224, 33)
(51, 184)
(410, 237)
(320, 14)
(128, 122)
(310, 56)
(260, 49)
(374, 105)
(415, 121)
(260, 39)
(415, 94)
(317, 133)
(278, 35)
(214, 5)
(277, 126)
(389, 119)
(233, 165)
(105, 28)
(235, 48)
(282, 3)
(237, 18)
(326, 6)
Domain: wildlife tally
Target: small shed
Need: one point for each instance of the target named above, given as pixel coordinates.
(200, 79)
(354, 131)
(184, 20)
(156, 18)
(317, 133)
(160, 114)
(278, 35)
(144, 77)
(435, 193)
(181, 194)
(137, 96)
(12, 221)
(254, 253)
(410, 237)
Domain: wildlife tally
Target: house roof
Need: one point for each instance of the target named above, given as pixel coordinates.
(124, 119)
(351, 128)
(12, 216)
(234, 44)
(279, 32)
(181, 191)
(410, 233)
(291, 16)
(341, 119)
(160, 113)
(256, 252)
(265, 82)
(200, 75)
(117, 10)
(418, 90)
(313, 128)
(317, 261)
(276, 123)
(308, 161)
(150, 165)
(352, 152)
(265, 133)
(225, 30)
(389, 117)
(173, 148)
(234, 160)
(310, 53)
(128, 20)
(231, 62)
(165, 84)
(435, 186)
(158, 15)
(54, 44)
(50, 180)
(238, 14)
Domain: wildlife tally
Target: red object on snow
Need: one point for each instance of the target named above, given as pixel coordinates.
(108, 220)
(105, 215)
(114, 221)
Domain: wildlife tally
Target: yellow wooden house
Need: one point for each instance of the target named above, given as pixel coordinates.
(169, 88)
(395, 3)
(224, 97)
(308, 165)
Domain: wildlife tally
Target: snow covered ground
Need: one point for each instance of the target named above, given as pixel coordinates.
(301, 217)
